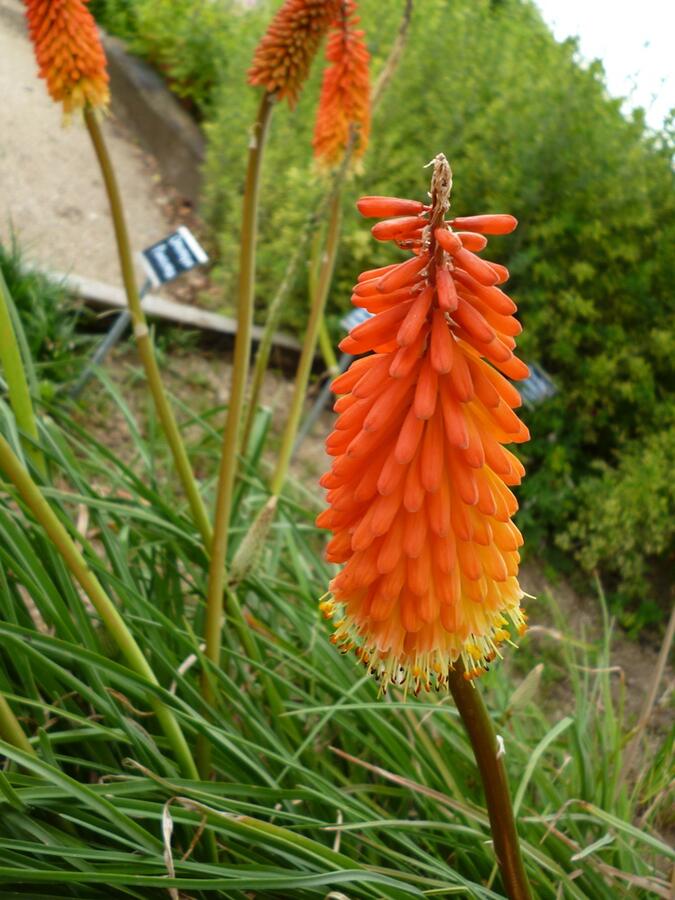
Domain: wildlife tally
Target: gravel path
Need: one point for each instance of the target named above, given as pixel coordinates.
(51, 193)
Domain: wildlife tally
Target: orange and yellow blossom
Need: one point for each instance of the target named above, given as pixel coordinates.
(69, 52)
(345, 92)
(282, 58)
(420, 506)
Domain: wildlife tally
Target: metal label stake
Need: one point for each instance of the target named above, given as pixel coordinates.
(164, 261)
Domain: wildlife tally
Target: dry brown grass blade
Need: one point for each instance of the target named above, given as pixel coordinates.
(417, 788)
(395, 55)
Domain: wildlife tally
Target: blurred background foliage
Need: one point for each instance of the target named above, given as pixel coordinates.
(56, 345)
(531, 131)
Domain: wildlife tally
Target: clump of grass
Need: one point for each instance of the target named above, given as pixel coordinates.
(52, 322)
(318, 785)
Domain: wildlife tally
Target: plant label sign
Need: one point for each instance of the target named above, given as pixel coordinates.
(354, 318)
(172, 256)
(538, 387)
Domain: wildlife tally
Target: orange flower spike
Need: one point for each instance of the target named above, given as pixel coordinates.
(69, 52)
(418, 503)
(282, 58)
(345, 93)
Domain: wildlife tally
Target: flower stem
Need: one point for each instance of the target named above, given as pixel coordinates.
(388, 70)
(325, 344)
(309, 345)
(276, 307)
(142, 335)
(271, 324)
(242, 354)
(327, 350)
(10, 729)
(17, 383)
(275, 310)
(104, 606)
(493, 774)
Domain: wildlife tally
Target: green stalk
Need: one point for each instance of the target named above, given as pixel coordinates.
(10, 729)
(104, 606)
(262, 357)
(276, 307)
(142, 335)
(13, 368)
(320, 279)
(495, 784)
(242, 355)
(326, 346)
(309, 346)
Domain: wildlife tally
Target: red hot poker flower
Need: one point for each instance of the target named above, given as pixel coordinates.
(69, 52)
(282, 58)
(418, 492)
(345, 93)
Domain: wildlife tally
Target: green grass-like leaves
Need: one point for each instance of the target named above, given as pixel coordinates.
(318, 785)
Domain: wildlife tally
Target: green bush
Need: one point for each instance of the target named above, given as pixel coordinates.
(118, 16)
(186, 42)
(529, 130)
(625, 523)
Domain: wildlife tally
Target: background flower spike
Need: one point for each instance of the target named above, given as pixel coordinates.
(344, 105)
(69, 53)
(285, 53)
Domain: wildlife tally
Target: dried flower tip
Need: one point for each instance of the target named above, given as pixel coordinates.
(284, 55)
(248, 553)
(69, 52)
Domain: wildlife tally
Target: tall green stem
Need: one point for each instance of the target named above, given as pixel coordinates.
(142, 335)
(318, 292)
(242, 355)
(10, 729)
(262, 357)
(276, 307)
(273, 318)
(17, 383)
(104, 606)
(308, 346)
(493, 774)
(325, 343)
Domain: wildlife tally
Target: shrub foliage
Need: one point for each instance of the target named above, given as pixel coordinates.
(527, 128)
